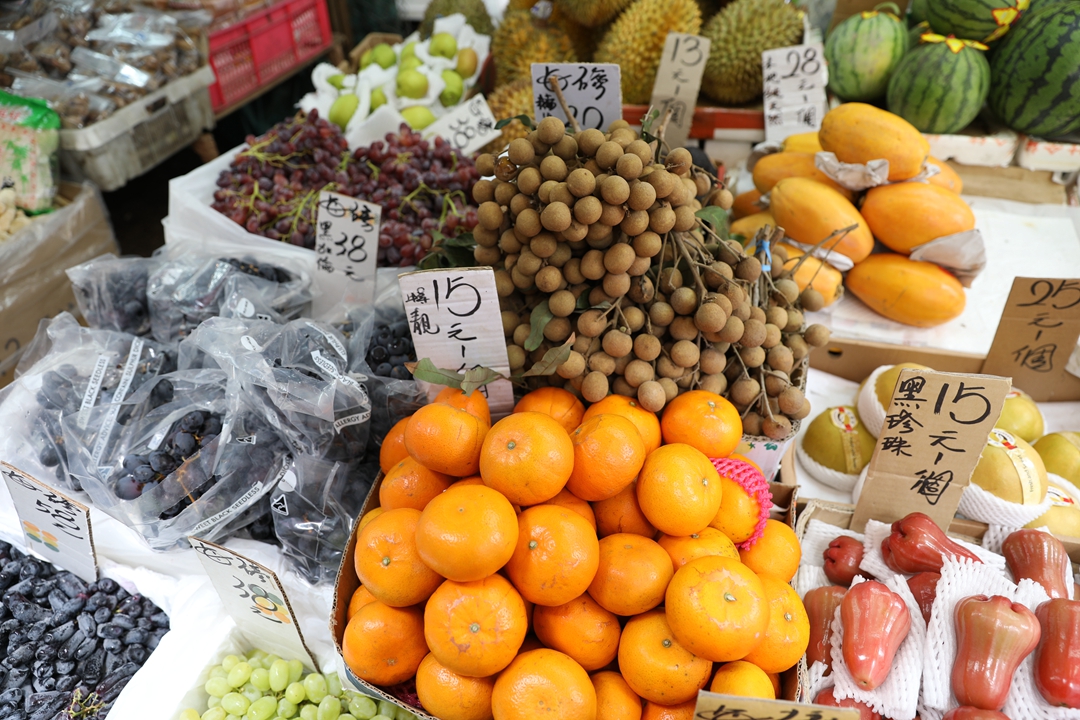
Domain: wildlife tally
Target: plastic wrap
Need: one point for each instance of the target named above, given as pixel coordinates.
(70, 372)
(111, 292)
(75, 101)
(30, 137)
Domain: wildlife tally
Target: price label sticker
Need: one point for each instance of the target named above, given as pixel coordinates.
(347, 245)
(935, 428)
(1037, 336)
(713, 706)
(56, 527)
(255, 600)
(793, 85)
(455, 322)
(593, 93)
(678, 80)
(469, 127)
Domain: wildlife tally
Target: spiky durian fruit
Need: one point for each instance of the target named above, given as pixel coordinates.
(739, 34)
(506, 102)
(636, 42)
(522, 40)
(474, 11)
(592, 13)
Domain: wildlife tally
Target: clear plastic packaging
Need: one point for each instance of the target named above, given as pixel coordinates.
(111, 292)
(75, 101)
(31, 127)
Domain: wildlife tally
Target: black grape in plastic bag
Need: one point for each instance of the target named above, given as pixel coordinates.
(111, 292)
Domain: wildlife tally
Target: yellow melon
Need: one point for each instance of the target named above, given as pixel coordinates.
(859, 133)
(947, 178)
(809, 212)
(907, 291)
(906, 215)
(771, 169)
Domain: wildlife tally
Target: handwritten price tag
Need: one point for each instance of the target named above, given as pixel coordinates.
(255, 600)
(678, 81)
(455, 321)
(1036, 336)
(712, 706)
(794, 80)
(593, 92)
(469, 127)
(347, 245)
(56, 527)
(935, 428)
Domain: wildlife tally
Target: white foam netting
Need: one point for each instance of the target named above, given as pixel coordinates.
(816, 538)
(874, 563)
(978, 504)
(871, 411)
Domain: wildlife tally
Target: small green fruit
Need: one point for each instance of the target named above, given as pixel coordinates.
(467, 61)
(443, 45)
(384, 55)
(409, 63)
(378, 99)
(1011, 469)
(367, 58)
(337, 81)
(408, 51)
(418, 117)
(343, 109)
(412, 84)
(455, 88)
(1060, 452)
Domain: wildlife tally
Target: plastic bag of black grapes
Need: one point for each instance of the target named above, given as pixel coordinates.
(191, 466)
(184, 292)
(111, 292)
(69, 371)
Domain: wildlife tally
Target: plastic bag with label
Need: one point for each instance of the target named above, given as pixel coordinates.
(72, 372)
(111, 292)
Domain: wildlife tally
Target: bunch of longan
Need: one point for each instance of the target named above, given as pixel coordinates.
(591, 238)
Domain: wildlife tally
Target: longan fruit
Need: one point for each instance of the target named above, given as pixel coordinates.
(615, 190)
(504, 286)
(685, 353)
(509, 322)
(619, 386)
(776, 316)
(795, 320)
(561, 193)
(799, 347)
(485, 255)
(608, 154)
(780, 358)
(518, 203)
(733, 330)
(555, 217)
(629, 166)
(589, 141)
(544, 193)
(712, 361)
(592, 167)
(594, 387)
(647, 244)
(752, 424)
(485, 164)
(483, 191)
(618, 258)
(528, 222)
(582, 344)
(587, 210)
(528, 264)
(597, 296)
(616, 285)
(683, 300)
(550, 130)
(772, 336)
(757, 313)
(776, 427)
(576, 231)
(509, 261)
(485, 237)
(566, 148)
(634, 317)
(713, 383)
(572, 366)
(521, 280)
(553, 167)
(549, 279)
(641, 290)
(723, 199)
(735, 294)
(671, 390)
(557, 329)
(528, 181)
(623, 136)
(543, 245)
(742, 310)
(642, 196)
(665, 367)
(642, 150)
(651, 396)
(635, 222)
(680, 161)
(702, 184)
(505, 192)
(662, 182)
(602, 362)
(811, 300)
(509, 242)
(662, 219)
(816, 335)
(685, 220)
(612, 215)
(744, 391)
(710, 317)
(802, 412)
(683, 328)
(678, 195)
(661, 314)
(599, 231)
(638, 372)
(617, 344)
(753, 334)
(581, 182)
(640, 266)
(572, 271)
(671, 278)
(790, 400)
(775, 382)
(489, 215)
(539, 146)
(520, 151)
(592, 265)
(752, 357)
(788, 288)
(516, 355)
(562, 303)
(561, 255)
(591, 323)
(505, 169)
(749, 268)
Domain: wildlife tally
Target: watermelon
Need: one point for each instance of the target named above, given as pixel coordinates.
(917, 11)
(1036, 72)
(982, 20)
(939, 87)
(915, 33)
(862, 52)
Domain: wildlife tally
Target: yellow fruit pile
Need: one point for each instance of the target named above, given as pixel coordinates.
(580, 561)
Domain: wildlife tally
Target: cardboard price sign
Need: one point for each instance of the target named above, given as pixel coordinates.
(255, 600)
(469, 127)
(712, 706)
(455, 322)
(1036, 337)
(793, 81)
(593, 92)
(346, 244)
(936, 426)
(678, 80)
(56, 527)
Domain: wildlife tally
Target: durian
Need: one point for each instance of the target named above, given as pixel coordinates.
(509, 101)
(739, 33)
(474, 11)
(521, 40)
(583, 38)
(636, 42)
(592, 13)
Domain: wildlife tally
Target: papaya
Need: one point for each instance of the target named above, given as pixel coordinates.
(906, 215)
(746, 204)
(802, 142)
(814, 273)
(947, 178)
(749, 225)
(859, 133)
(771, 169)
(907, 291)
(809, 212)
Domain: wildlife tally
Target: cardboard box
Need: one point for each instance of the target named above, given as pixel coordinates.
(1018, 184)
(33, 281)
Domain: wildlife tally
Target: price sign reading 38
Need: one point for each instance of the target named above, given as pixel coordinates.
(347, 244)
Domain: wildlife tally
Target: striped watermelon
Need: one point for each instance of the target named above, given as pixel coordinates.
(917, 11)
(917, 32)
(862, 52)
(1036, 72)
(983, 20)
(940, 86)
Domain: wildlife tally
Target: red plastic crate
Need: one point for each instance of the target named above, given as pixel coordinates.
(265, 46)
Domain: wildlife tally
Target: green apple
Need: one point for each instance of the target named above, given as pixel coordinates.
(455, 88)
(467, 61)
(418, 117)
(378, 99)
(367, 58)
(409, 63)
(343, 109)
(384, 55)
(408, 51)
(443, 44)
(337, 81)
(412, 84)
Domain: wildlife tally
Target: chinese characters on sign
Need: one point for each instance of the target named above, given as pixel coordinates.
(467, 128)
(1036, 337)
(254, 599)
(793, 81)
(56, 527)
(712, 706)
(678, 80)
(935, 428)
(455, 321)
(592, 92)
(346, 244)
